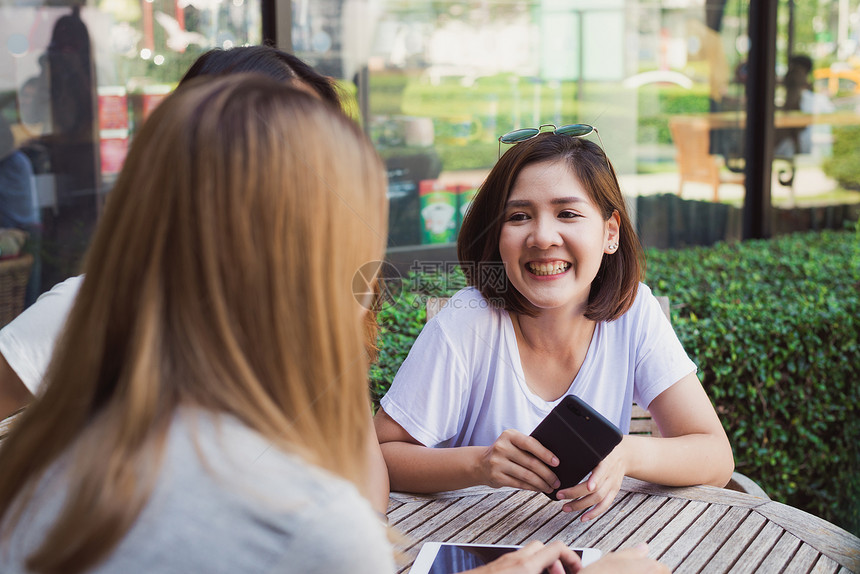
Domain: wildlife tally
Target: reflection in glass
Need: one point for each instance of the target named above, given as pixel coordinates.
(76, 82)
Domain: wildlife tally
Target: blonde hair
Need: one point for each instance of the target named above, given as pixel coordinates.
(220, 277)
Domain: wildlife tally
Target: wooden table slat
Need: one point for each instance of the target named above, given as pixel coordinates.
(533, 527)
(704, 493)
(631, 525)
(781, 555)
(499, 512)
(570, 528)
(676, 527)
(694, 533)
(443, 526)
(589, 536)
(404, 511)
(828, 538)
(555, 524)
(738, 543)
(450, 519)
(824, 565)
(498, 534)
(758, 549)
(470, 509)
(804, 559)
(709, 547)
(656, 523)
(463, 492)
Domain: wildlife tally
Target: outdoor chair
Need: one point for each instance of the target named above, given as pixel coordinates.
(14, 274)
(695, 161)
(641, 422)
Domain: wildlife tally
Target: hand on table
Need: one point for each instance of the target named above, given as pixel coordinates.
(534, 558)
(556, 558)
(629, 561)
(599, 490)
(520, 461)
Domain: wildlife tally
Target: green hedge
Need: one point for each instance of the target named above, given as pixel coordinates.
(843, 165)
(775, 329)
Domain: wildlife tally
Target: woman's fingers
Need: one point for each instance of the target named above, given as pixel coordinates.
(510, 461)
(534, 558)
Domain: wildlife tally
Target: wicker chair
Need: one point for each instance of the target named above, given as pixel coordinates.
(14, 274)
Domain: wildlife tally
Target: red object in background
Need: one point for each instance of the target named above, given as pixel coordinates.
(148, 40)
(113, 152)
(179, 13)
(113, 128)
(113, 109)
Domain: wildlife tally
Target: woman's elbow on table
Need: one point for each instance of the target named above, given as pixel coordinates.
(725, 463)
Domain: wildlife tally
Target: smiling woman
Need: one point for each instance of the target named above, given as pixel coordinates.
(549, 223)
(581, 174)
(576, 320)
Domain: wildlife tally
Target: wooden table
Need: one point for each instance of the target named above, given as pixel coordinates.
(695, 529)
(781, 119)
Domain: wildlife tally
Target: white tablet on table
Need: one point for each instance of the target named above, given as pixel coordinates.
(451, 557)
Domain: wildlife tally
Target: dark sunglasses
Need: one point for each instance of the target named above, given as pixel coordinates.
(572, 130)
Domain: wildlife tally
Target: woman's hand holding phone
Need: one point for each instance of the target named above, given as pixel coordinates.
(519, 461)
(601, 488)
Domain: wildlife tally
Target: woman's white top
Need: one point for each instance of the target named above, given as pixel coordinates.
(463, 383)
(28, 342)
(226, 502)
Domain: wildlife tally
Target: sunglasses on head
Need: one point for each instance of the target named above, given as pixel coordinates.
(572, 130)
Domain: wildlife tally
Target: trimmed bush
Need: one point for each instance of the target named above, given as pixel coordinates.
(774, 326)
(843, 166)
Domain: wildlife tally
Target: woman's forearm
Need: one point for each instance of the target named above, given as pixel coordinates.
(417, 468)
(679, 461)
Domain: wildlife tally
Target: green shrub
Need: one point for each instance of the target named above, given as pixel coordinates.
(843, 165)
(774, 326)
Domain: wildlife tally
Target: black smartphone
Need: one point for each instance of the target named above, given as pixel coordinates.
(579, 436)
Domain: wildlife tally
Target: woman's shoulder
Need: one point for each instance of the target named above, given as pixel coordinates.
(469, 304)
(66, 288)
(280, 501)
(644, 298)
(644, 308)
(241, 458)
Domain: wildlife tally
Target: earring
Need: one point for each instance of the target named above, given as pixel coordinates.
(612, 246)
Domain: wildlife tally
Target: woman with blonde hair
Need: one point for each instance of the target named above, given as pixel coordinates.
(211, 411)
(26, 344)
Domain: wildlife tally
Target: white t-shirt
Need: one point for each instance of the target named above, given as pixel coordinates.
(28, 341)
(227, 501)
(463, 384)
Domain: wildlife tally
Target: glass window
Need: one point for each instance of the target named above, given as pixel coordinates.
(663, 81)
(76, 81)
(817, 119)
(445, 80)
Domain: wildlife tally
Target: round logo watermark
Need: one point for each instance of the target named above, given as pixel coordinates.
(377, 285)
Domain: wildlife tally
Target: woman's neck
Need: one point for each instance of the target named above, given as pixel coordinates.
(553, 332)
(552, 349)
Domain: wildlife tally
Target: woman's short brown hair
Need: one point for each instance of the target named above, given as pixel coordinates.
(614, 289)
